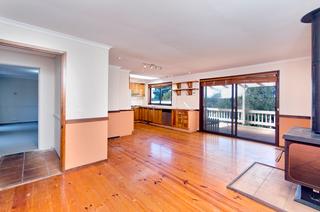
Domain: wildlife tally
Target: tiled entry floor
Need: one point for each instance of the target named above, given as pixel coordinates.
(27, 166)
(266, 184)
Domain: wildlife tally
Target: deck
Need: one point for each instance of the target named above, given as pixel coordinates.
(266, 135)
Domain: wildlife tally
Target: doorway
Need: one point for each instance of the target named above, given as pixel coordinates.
(47, 157)
(243, 106)
(18, 109)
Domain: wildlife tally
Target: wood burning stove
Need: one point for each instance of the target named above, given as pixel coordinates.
(302, 164)
(302, 146)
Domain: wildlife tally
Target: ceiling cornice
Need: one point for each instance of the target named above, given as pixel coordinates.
(52, 33)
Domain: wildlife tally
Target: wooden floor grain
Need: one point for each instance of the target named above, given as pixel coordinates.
(155, 169)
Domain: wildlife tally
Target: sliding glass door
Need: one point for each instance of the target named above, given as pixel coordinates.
(241, 106)
(218, 109)
(256, 110)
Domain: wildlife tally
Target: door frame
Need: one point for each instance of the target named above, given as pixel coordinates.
(277, 82)
(63, 55)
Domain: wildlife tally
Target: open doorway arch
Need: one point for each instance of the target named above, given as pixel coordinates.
(62, 55)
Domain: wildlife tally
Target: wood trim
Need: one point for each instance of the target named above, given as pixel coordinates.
(63, 112)
(192, 81)
(277, 108)
(29, 47)
(74, 121)
(261, 77)
(118, 111)
(294, 116)
(154, 85)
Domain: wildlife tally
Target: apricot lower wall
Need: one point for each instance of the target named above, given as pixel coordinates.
(120, 123)
(286, 122)
(86, 142)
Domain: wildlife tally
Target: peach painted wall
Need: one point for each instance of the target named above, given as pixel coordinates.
(285, 123)
(120, 123)
(86, 142)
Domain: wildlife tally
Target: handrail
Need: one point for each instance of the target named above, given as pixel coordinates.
(252, 117)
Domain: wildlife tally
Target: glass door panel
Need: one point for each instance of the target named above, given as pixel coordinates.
(218, 109)
(256, 115)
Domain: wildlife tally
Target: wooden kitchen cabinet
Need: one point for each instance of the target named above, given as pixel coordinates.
(157, 116)
(137, 89)
(180, 119)
(137, 114)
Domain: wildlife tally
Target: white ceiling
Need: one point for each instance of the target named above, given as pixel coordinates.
(180, 35)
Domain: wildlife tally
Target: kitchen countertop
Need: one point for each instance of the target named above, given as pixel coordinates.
(162, 107)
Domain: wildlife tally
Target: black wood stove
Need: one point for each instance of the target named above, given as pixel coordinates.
(302, 146)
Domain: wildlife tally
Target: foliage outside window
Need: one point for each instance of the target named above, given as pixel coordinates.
(161, 94)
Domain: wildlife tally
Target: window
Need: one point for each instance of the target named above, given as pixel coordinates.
(160, 94)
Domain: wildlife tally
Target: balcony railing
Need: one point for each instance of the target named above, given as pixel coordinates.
(249, 117)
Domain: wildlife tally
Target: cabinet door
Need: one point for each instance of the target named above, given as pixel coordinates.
(135, 110)
(157, 116)
(141, 90)
(150, 115)
(145, 114)
(137, 114)
(181, 119)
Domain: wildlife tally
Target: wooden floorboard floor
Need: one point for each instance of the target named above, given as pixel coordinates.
(155, 169)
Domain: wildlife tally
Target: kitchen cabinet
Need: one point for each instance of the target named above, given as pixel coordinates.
(137, 89)
(157, 116)
(180, 119)
(137, 113)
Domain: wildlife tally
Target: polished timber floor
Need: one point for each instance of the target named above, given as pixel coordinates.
(155, 169)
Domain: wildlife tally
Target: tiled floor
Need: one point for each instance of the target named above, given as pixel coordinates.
(267, 184)
(27, 166)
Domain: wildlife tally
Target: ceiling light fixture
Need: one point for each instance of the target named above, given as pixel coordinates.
(150, 67)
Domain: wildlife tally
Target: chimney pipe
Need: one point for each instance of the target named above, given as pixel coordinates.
(313, 17)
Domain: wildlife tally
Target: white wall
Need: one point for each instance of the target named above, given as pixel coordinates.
(46, 92)
(18, 100)
(87, 67)
(295, 85)
(57, 105)
(118, 87)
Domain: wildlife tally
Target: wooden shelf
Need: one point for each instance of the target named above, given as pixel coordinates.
(184, 89)
(185, 82)
(189, 90)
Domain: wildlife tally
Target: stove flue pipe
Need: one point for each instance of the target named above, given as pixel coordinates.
(313, 17)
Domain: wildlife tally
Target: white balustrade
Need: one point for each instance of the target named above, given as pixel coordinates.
(252, 117)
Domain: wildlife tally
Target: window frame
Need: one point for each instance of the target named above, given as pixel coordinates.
(159, 85)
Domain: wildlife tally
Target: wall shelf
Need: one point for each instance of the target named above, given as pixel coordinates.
(189, 88)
